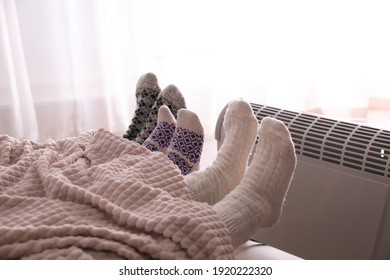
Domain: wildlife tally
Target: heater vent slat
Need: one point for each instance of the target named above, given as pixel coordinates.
(351, 145)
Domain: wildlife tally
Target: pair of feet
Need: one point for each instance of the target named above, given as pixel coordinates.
(247, 198)
(155, 126)
(150, 98)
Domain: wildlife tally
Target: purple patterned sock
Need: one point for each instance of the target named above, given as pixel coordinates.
(161, 136)
(186, 146)
(169, 96)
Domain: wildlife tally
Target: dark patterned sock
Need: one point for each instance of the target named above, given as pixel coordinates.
(186, 146)
(146, 94)
(171, 97)
(161, 136)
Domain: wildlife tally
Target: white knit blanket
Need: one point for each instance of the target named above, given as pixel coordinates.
(99, 196)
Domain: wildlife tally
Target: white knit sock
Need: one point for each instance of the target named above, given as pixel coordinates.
(258, 200)
(213, 183)
(186, 145)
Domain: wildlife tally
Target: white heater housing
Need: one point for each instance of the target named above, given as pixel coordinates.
(338, 204)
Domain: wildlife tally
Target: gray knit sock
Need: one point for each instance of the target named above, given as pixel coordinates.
(173, 99)
(147, 91)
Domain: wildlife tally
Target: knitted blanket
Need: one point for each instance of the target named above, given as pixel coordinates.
(100, 196)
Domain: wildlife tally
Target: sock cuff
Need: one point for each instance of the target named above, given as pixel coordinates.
(229, 221)
(181, 162)
(243, 212)
(151, 145)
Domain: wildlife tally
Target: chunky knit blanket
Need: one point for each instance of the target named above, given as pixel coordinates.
(100, 196)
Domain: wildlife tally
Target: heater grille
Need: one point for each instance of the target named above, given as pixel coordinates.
(343, 143)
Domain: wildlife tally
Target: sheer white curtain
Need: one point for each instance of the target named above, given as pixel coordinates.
(68, 66)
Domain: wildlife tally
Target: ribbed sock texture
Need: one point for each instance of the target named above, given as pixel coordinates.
(213, 183)
(186, 146)
(161, 136)
(146, 94)
(173, 99)
(258, 200)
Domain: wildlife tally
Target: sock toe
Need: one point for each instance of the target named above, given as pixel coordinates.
(240, 111)
(172, 94)
(240, 106)
(271, 127)
(148, 81)
(164, 114)
(189, 120)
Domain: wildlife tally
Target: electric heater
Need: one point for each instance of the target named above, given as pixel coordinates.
(338, 204)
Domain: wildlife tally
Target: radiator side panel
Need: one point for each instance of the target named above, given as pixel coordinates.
(328, 214)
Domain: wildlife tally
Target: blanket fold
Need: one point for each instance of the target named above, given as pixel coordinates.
(99, 195)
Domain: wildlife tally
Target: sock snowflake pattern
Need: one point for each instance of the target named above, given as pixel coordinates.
(185, 149)
(151, 147)
(184, 166)
(161, 136)
(151, 121)
(188, 143)
(145, 100)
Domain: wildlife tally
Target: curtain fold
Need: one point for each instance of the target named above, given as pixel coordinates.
(20, 116)
(66, 67)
